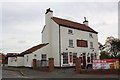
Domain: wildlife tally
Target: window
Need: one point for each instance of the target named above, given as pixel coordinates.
(84, 54)
(91, 45)
(88, 59)
(95, 56)
(43, 57)
(27, 58)
(82, 43)
(70, 43)
(81, 58)
(65, 58)
(70, 31)
(90, 35)
(74, 57)
(92, 57)
(35, 55)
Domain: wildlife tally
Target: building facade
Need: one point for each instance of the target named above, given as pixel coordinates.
(64, 40)
(68, 40)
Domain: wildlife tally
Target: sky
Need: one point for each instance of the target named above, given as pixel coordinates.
(22, 22)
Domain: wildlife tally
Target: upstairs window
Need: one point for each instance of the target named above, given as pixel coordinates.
(70, 31)
(91, 45)
(90, 35)
(82, 43)
(71, 43)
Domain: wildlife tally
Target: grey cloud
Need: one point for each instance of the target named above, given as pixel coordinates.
(23, 42)
(24, 21)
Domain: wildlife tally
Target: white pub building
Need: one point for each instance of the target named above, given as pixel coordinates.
(63, 40)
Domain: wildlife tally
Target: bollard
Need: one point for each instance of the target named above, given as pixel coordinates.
(78, 66)
(51, 64)
(34, 64)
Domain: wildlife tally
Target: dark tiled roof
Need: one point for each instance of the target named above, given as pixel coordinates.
(32, 49)
(72, 24)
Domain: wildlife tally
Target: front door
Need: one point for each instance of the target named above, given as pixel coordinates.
(84, 60)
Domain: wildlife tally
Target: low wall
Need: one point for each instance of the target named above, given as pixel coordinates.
(108, 71)
(44, 69)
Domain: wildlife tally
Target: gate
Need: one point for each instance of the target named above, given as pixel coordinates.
(44, 65)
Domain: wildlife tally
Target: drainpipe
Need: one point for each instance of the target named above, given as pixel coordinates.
(59, 45)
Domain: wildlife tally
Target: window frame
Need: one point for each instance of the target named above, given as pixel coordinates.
(70, 31)
(35, 55)
(27, 59)
(91, 45)
(65, 58)
(43, 56)
(71, 43)
(74, 57)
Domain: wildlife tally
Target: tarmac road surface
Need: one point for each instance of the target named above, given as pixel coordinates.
(11, 74)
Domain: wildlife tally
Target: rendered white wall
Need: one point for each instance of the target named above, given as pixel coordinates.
(17, 63)
(20, 61)
(29, 62)
(81, 35)
(43, 50)
(46, 35)
(11, 62)
(55, 43)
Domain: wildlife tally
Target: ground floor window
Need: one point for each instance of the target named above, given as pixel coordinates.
(88, 59)
(27, 58)
(92, 57)
(43, 57)
(65, 58)
(74, 57)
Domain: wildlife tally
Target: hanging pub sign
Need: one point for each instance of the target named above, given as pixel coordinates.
(105, 64)
(82, 43)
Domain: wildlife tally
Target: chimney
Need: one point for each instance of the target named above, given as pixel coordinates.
(48, 15)
(48, 10)
(85, 22)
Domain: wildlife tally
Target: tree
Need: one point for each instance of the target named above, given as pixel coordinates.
(101, 47)
(112, 46)
(104, 55)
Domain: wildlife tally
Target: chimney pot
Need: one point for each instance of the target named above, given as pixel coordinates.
(48, 10)
(85, 22)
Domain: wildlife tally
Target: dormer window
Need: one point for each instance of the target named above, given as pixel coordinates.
(90, 35)
(70, 31)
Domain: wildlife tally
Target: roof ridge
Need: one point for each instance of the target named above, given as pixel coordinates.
(34, 48)
(69, 20)
(72, 24)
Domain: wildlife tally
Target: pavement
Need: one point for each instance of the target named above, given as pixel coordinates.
(58, 73)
